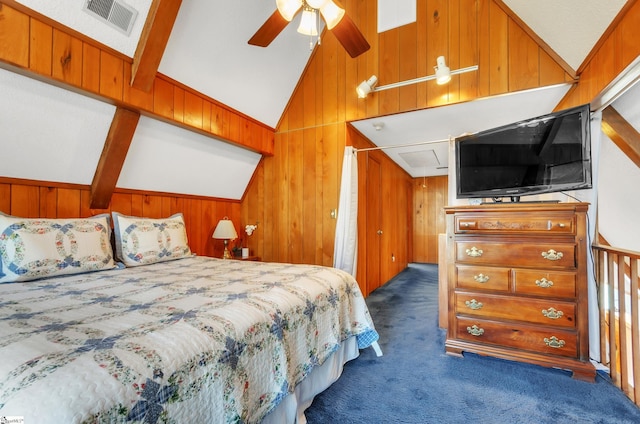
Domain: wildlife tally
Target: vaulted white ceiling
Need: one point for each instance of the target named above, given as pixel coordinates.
(208, 51)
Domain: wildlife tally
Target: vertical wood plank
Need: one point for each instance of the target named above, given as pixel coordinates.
(422, 67)
(111, 76)
(388, 100)
(408, 66)
(67, 58)
(498, 50)
(48, 204)
(193, 110)
(279, 215)
(296, 198)
(437, 45)
(25, 201)
(309, 196)
(5, 198)
(469, 48)
(523, 59)
(296, 112)
(68, 205)
(90, 68)
(178, 104)
(163, 98)
(453, 56)
(40, 47)
(121, 202)
(329, 82)
(319, 193)
(14, 36)
(207, 225)
(152, 206)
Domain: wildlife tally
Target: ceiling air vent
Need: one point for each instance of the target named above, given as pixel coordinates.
(115, 13)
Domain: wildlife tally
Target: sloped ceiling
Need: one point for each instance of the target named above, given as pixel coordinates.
(208, 51)
(570, 27)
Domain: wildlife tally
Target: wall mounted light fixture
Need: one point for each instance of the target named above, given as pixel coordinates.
(442, 76)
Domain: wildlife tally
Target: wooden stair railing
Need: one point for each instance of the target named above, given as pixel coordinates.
(616, 276)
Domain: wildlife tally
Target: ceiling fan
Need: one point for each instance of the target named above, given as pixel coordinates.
(339, 23)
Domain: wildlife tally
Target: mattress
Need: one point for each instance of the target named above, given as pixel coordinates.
(191, 340)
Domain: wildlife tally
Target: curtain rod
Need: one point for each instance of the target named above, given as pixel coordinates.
(368, 149)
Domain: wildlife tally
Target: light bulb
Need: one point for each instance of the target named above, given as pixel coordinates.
(288, 8)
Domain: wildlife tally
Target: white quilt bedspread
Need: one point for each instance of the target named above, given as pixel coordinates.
(195, 340)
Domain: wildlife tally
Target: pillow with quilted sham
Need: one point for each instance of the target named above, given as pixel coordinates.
(142, 241)
(32, 248)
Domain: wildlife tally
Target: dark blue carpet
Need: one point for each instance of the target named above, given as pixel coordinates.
(416, 382)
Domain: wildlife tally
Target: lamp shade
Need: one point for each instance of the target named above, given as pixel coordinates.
(316, 4)
(308, 22)
(332, 14)
(288, 8)
(225, 230)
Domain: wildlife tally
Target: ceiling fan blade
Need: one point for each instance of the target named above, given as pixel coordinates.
(269, 30)
(350, 37)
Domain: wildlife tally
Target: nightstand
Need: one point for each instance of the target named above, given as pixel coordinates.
(248, 258)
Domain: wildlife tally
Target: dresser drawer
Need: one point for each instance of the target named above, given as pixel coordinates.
(530, 338)
(536, 311)
(515, 223)
(549, 284)
(523, 254)
(483, 278)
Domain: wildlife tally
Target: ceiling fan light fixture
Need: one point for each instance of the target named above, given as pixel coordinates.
(288, 8)
(366, 86)
(332, 14)
(443, 73)
(308, 22)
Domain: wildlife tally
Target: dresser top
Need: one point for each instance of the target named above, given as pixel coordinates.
(520, 207)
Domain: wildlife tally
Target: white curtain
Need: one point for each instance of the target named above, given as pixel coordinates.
(345, 253)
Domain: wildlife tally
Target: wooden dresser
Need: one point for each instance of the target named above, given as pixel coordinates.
(517, 283)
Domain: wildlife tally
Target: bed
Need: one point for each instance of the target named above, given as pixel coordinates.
(161, 335)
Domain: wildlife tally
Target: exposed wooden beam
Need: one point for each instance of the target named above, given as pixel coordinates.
(623, 134)
(113, 155)
(153, 40)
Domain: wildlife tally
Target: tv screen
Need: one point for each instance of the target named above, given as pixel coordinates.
(545, 154)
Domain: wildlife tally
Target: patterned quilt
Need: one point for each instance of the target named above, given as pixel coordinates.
(195, 340)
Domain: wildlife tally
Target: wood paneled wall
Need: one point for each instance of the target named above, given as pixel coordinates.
(430, 195)
(37, 199)
(294, 192)
(614, 54)
(37, 47)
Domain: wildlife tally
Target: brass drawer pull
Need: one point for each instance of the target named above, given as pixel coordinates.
(552, 313)
(474, 304)
(476, 331)
(481, 278)
(552, 255)
(544, 283)
(474, 252)
(554, 342)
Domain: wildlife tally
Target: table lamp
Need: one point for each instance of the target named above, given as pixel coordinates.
(225, 231)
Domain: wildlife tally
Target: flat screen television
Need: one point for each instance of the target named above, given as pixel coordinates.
(545, 154)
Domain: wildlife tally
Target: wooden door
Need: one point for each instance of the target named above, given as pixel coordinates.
(374, 224)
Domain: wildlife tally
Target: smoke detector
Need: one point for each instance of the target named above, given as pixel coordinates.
(115, 13)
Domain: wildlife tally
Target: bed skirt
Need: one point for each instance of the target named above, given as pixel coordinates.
(291, 409)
